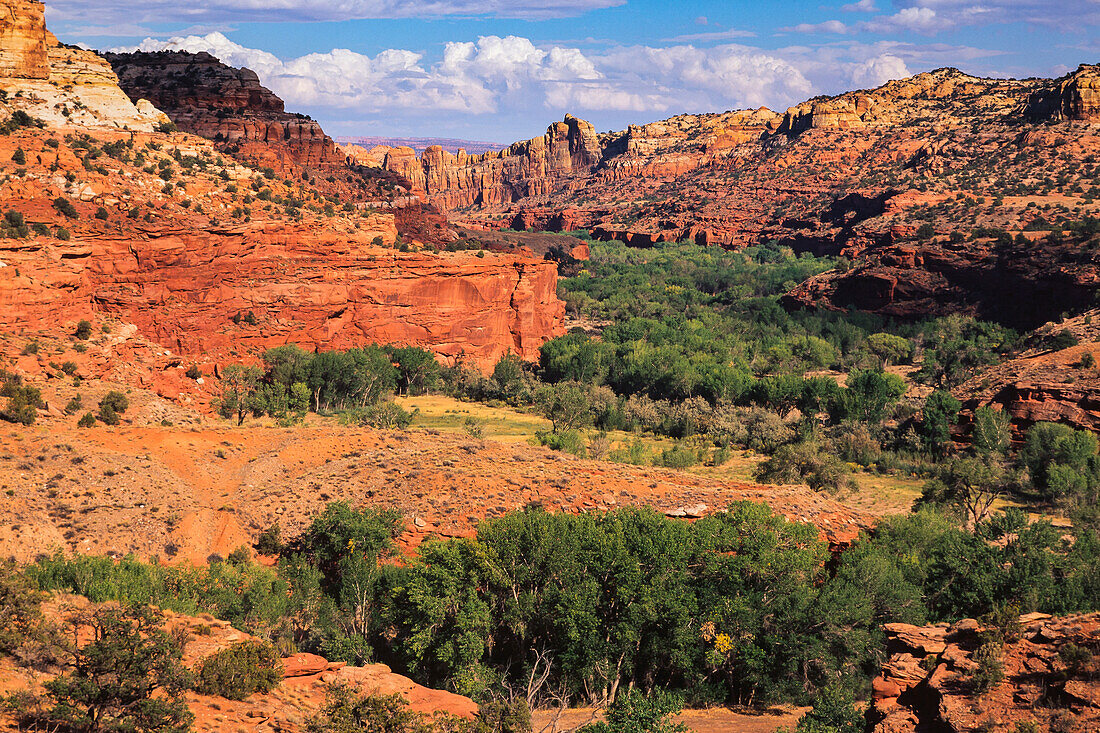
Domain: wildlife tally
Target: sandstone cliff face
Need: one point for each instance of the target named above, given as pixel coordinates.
(859, 175)
(61, 85)
(1021, 286)
(1075, 96)
(182, 286)
(205, 97)
(532, 168)
(926, 684)
(1041, 385)
(742, 177)
(23, 41)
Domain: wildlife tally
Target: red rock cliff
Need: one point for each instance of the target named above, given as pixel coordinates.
(330, 289)
(205, 97)
(531, 168)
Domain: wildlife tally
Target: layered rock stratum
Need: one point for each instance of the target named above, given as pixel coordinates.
(929, 683)
(325, 282)
(205, 97)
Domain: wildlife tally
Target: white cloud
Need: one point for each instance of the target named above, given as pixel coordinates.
(164, 11)
(1059, 13)
(725, 35)
(863, 6)
(877, 71)
(829, 26)
(512, 73)
(912, 20)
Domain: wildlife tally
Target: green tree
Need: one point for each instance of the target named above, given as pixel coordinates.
(991, 433)
(239, 386)
(287, 365)
(343, 545)
(780, 393)
(888, 348)
(1061, 461)
(566, 405)
(508, 374)
(868, 394)
(940, 412)
(417, 370)
(127, 677)
(970, 485)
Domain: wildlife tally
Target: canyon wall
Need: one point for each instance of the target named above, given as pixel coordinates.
(535, 167)
(183, 286)
(205, 97)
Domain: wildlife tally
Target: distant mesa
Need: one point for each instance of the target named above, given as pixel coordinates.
(420, 144)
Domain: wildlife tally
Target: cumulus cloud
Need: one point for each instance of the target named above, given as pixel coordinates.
(496, 73)
(863, 6)
(877, 71)
(162, 11)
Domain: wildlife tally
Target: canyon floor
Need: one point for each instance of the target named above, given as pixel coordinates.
(187, 492)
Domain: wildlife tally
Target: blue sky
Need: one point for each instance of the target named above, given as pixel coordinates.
(500, 70)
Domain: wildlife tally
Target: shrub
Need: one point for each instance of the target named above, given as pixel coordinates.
(193, 372)
(240, 670)
(63, 234)
(102, 214)
(386, 416)
(65, 208)
(69, 368)
(13, 226)
(108, 416)
(990, 670)
(804, 462)
(474, 427)
(20, 157)
(679, 456)
(834, 711)
(566, 441)
(23, 401)
(343, 712)
(115, 400)
(83, 330)
(635, 712)
(74, 405)
(20, 607)
(87, 421)
(270, 542)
